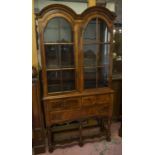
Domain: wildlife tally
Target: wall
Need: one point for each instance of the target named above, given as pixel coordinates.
(113, 5)
(77, 7)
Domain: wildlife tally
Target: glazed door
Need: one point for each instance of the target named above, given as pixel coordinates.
(96, 54)
(59, 55)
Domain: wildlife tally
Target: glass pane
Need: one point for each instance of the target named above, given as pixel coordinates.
(90, 55)
(52, 56)
(102, 76)
(104, 34)
(103, 54)
(57, 30)
(90, 31)
(67, 56)
(68, 77)
(51, 33)
(54, 81)
(89, 78)
(65, 31)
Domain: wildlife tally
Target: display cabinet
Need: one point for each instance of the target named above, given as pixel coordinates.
(76, 54)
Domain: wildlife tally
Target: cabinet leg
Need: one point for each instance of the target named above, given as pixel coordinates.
(80, 132)
(102, 127)
(51, 149)
(50, 140)
(108, 133)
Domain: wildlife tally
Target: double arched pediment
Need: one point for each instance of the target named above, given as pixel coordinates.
(62, 9)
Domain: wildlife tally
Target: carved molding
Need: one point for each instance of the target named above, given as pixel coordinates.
(60, 7)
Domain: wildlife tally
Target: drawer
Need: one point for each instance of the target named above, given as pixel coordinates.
(55, 117)
(63, 104)
(85, 112)
(61, 116)
(72, 103)
(103, 99)
(88, 100)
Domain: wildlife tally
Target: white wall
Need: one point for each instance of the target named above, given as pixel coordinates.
(77, 7)
(110, 6)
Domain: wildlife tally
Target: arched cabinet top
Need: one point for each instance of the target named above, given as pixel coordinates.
(62, 9)
(55, 8)
(99, 11)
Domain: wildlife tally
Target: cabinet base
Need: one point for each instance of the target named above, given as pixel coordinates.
(101, 130)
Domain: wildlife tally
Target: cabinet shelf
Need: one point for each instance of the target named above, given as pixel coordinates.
(58, 43)
(59, 69)
(95, 42)
(105, 65)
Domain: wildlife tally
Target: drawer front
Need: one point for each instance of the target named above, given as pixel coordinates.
(55, 105)
(56, 117)
(72, 103)
(63, 104)
(88, 100)
(103, 99)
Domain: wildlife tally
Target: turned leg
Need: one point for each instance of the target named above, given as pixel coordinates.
(102, 127)
(80, 132)
(100, 123)
(108, 134)
(50, 140)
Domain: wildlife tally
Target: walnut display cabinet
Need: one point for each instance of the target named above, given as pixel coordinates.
(76, 54)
